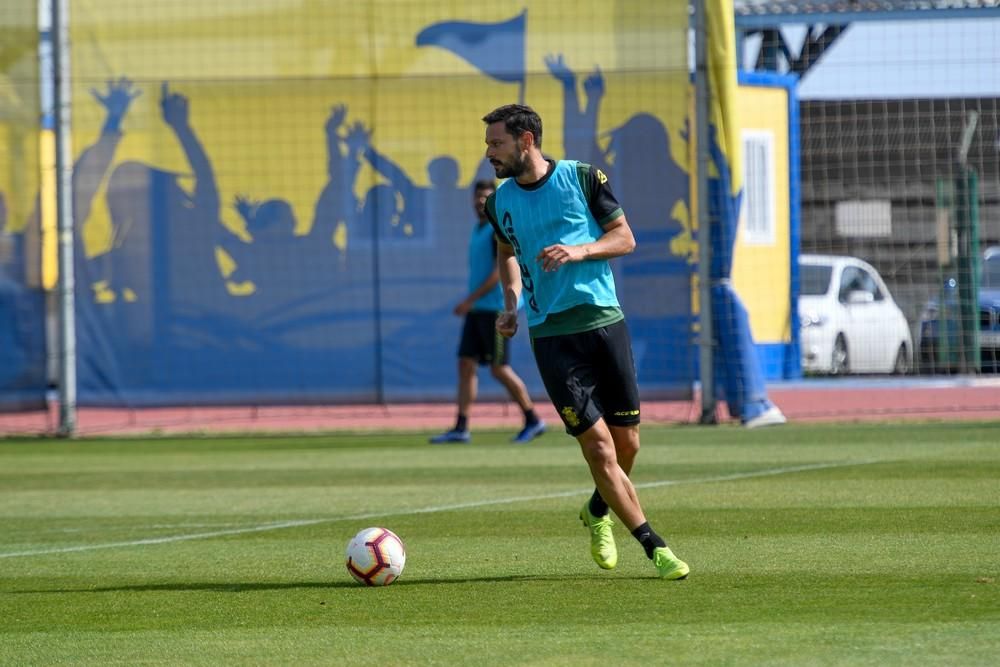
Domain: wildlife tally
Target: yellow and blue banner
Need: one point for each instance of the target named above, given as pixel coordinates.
(23, 378)
(273, 201)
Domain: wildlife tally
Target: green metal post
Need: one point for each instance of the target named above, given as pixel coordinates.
(967, 228)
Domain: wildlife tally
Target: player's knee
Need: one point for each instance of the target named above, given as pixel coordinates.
(626, 439)
(598, 452)
(630, 447)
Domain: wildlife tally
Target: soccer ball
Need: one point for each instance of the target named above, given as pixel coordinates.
(375, 557)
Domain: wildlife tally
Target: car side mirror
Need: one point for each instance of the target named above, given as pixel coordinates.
(859, 296)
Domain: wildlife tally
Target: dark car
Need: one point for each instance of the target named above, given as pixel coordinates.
(932, 356)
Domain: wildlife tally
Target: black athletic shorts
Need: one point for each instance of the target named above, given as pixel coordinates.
(590, 375)
(481, 340)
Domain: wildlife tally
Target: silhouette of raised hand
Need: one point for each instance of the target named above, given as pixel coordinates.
(246, 207)
(593, 85)
(117, 100)
(337, 115)
(558, 69)
(174, 107)
(358, 137)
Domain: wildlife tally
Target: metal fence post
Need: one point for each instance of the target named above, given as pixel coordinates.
(706, 332)
(63, 96)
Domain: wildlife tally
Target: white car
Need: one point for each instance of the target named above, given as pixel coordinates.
(849, 321)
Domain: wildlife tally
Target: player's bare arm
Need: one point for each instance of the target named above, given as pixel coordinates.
(484, 288)
(510, 281)
(617, 240)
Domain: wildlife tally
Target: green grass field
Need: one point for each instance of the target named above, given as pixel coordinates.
(809, 545)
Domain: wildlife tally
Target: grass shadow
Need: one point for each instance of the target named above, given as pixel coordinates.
(242, 587)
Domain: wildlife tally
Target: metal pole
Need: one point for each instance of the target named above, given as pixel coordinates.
(706, 333)
(967, 264)
(63, 96)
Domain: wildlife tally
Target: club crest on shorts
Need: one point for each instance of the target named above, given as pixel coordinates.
(570, 417)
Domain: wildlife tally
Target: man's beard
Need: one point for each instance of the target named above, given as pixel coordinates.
(513, 170)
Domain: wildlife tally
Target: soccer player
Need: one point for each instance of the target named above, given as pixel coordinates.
(481, 344)
(557, 225)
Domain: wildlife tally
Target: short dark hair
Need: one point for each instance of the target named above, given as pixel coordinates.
(517, 119)
(485, 184)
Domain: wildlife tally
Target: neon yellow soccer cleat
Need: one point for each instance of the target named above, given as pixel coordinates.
(602, 540)
(668, 565)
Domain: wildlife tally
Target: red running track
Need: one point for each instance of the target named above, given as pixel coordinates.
(805, 401)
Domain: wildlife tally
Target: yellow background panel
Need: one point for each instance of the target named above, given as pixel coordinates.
(261, 77)
(761, 272)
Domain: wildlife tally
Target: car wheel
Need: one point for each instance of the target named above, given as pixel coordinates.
(839, 360)
(902, 364)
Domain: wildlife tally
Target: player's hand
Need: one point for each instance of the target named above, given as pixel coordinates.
(463, 308)
(507, 323)
(554, 256)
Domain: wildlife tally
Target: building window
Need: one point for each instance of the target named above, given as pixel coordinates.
(864, 218)
(757, 217)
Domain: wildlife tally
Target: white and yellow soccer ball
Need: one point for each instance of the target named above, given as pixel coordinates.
(376, 557)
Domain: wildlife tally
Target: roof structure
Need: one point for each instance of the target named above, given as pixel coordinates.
(769, 13)
(828, 19)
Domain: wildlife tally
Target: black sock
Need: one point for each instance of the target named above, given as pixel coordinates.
(462, 423)
(530, 418)
(648, 539)
(597, 505)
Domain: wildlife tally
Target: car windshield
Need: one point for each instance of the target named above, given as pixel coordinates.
(815, 279)
(991, 272)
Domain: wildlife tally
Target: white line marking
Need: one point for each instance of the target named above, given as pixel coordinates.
(278, 525)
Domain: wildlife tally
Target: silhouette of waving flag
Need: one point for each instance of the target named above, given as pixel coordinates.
(496, 49)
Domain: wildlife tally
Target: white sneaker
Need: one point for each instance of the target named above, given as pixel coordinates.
(770, 417)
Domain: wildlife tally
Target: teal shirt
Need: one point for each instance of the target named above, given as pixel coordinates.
(482, 262)
(555, 212)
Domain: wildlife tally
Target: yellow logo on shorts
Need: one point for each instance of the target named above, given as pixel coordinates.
(569, 416)
(627, 413)
(601, 177)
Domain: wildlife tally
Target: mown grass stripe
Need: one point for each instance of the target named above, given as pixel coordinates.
(279, 525)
